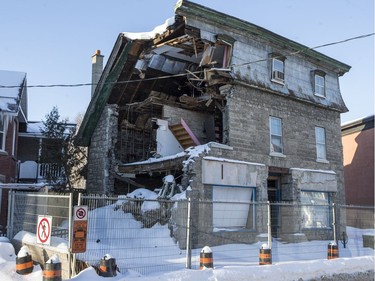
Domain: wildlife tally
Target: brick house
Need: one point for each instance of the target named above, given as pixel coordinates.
(13, 111)
(358, 149)
(227, 108)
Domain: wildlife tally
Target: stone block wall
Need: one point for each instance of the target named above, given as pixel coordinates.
(248, 111)
(101, 155)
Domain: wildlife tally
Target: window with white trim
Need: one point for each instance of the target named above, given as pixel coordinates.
(320, 138)
(319, 85)
(315, 209)
(278, 70)
(14, 140)
(276, 135)
(2, 132)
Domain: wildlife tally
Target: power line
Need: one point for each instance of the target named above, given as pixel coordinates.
(184, 74)
(312, 48)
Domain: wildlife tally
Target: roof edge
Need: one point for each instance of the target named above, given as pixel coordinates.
(187, 8)
(110, 75)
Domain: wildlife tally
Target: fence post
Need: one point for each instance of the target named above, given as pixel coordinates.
(334, 222)
(10, 219)
(70, 234)
(74, 255)
(188, 238)
(269, 225)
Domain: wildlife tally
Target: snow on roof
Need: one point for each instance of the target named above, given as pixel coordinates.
(9, 97)
(155, 160)
(358, 120)
(232, 161)
(35, 128)
(151, 34)
(315, 171)
(191, 153)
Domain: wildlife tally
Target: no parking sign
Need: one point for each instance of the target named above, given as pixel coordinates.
(79, 229)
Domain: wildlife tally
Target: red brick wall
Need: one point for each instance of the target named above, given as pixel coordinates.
(8, 162)
(8, 171)
(359, 167)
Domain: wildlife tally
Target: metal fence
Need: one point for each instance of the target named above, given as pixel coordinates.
(24, 210)
(164, 235)
(148, 236)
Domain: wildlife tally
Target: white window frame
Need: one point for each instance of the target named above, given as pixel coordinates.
(319, 85)
(276, 135)
(321, 144)
(278, 70)
(2, 132)
(14, 141)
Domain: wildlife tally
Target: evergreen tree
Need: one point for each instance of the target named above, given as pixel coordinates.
(61, 160)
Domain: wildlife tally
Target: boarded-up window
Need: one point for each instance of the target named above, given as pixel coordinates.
(233, 207)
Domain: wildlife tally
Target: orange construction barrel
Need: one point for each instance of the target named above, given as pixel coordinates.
(24, 262)
(265, 255)
(206, 259)
(107, 266)
(333, 251)
(52, 269)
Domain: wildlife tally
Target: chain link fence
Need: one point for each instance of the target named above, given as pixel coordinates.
(151, 235)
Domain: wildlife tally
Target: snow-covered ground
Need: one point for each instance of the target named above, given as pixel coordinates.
(303, 260)
(277, 271)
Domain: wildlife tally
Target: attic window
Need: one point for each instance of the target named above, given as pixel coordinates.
(319, 83)
(277, 68)
(218, 55)
(225, 43)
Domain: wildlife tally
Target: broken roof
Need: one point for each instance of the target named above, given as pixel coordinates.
(11, 86)
(170, 50)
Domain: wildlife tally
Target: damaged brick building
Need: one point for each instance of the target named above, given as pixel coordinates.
(261, 111)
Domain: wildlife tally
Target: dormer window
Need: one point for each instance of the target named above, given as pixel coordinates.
(278, 69)
(319, 84)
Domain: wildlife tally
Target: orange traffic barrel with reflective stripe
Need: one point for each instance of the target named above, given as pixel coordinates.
(24, 265)
(206, 258)
(265, 256)
(52, 272)
(108, 267)
(333, 251)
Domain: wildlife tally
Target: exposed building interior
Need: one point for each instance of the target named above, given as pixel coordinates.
(156, 88)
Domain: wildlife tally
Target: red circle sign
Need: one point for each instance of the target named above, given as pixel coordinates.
(81, 213)
(44, 230)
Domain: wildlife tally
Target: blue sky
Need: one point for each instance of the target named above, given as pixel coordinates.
(52, 41)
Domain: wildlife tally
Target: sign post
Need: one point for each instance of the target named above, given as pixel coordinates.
(79, 229)
(43, 231)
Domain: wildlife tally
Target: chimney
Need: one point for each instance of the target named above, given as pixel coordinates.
(97, 68)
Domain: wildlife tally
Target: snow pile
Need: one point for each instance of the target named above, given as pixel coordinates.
(6, 252)
(53, 259)
(30, 238)
(10, 96)
(24, 252)
(142, 193)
